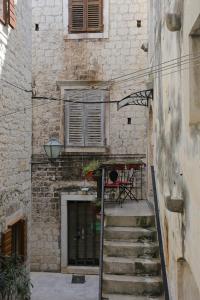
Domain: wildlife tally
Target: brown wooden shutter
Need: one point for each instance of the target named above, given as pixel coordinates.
(3, 11)
(94, 15)
(7, 243)
(11, 14)
(77, 15)
(23, 239)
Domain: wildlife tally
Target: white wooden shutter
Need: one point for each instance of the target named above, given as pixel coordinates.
(84, 123)
(94, 119)
(74, 119)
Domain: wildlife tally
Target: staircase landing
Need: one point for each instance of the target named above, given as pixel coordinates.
(133, 208)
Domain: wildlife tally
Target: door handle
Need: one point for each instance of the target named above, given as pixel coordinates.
(82, 233)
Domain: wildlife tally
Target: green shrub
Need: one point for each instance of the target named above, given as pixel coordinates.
(15, 282)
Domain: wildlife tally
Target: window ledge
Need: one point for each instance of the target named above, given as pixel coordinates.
(81, 36)
(86, 149)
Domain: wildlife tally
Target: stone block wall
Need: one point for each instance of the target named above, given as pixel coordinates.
(49, 180)
(15, 117)
(58, 57)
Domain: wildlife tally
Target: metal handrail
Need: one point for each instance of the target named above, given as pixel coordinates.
(101, 237)
(160, 239)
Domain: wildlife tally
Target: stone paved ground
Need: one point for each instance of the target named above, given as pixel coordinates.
(54, 286)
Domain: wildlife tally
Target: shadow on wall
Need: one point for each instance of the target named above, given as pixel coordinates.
(187, 287)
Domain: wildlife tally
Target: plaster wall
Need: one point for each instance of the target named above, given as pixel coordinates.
(15, 127)
(176, 140)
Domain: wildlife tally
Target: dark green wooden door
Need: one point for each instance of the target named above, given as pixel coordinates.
(83, 234)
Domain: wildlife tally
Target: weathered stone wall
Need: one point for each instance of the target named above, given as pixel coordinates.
(57, 57)
(176, 141)
(15, 128)
(49, 180)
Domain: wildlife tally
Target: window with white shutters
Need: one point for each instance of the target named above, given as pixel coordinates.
(84, 122)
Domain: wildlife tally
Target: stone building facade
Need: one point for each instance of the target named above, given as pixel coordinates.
(174, 42)
(15, 126)
(69, 65)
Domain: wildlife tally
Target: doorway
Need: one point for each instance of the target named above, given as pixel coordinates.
(83, 233)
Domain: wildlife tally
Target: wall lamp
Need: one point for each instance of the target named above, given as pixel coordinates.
(53, 149)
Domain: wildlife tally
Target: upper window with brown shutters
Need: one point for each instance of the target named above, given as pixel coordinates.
(3, 11)
(85, 16)
(7, 13)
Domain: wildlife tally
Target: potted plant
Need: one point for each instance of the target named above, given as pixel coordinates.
(92, 171)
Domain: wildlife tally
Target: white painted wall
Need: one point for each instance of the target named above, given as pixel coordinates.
(15, 128)
(176, 145)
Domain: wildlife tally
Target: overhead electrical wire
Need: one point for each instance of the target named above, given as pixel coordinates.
(174, 65)
(185, 62)
(52, 99)
(155, 66)
(16, 86)
(114, 79)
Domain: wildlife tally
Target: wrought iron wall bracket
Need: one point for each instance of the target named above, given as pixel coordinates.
(140, 98)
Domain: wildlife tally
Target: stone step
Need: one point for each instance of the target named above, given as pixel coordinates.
(132, 285)
(128, 297)
(129, 233)
(131, 266)
(129, 221)
(130, 249)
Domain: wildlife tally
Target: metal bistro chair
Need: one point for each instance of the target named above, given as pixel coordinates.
(128, 188)
(122, 180)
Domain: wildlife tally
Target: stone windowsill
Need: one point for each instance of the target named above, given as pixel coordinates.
(85, 36)
(86, 150)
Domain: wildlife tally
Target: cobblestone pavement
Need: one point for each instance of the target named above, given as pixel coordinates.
(54, 286)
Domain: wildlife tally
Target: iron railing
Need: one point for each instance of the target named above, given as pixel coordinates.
(101, 236)
(160, 239)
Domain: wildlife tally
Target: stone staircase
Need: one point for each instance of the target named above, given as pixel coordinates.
(131, 256)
